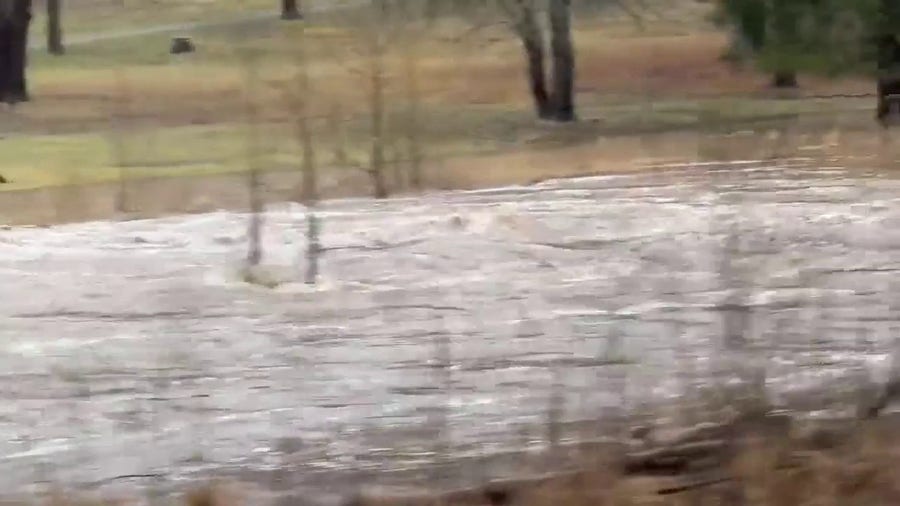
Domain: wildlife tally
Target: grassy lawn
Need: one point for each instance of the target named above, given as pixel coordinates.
(31, 161)
(128, 102)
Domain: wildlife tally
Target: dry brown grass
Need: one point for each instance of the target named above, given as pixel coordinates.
(767, 470)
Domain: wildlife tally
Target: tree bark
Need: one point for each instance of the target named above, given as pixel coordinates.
(254, 179)
(376, 101)
(563, 52)
(309, 186)
(54, 28)
(413, 125)
(888, 84)
(290, 9)
(529, 32)
(15, 18)
(888, 53)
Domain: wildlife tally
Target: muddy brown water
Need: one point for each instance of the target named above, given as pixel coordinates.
(132, 354)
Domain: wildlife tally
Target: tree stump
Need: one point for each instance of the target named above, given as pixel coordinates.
(181, 45)
(784, 79)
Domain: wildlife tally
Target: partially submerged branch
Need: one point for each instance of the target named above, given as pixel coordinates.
(254, 228)
(377, 85)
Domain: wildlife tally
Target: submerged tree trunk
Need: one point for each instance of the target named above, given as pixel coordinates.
(310, 187)
(563, 52)
(290, 9)
(15, 18)
(54, 28)
(377, 99)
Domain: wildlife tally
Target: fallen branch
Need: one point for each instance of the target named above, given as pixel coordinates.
(671, 460)
(693, 485)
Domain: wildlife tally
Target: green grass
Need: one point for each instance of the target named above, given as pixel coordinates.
(32, 161)
(91, 157)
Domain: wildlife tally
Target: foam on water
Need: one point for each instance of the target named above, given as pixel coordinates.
(147, 332)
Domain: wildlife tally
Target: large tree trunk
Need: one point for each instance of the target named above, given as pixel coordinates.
(15, 17)
(888, 88)
(529, 32)
(54, 28)
(563, 52)
(290, 9)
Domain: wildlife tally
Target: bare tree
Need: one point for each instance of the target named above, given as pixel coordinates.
(527, 27)
(309, 194)
(558, 104)
(254, 228)
(119, 116)
(412, 121)
(888, 87)
(563, 52)
(54, 27)
(377, 47)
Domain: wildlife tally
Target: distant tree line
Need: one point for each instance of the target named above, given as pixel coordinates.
(784, 37)
(831, 37)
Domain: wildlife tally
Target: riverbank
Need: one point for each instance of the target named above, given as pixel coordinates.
(120, 128)
(859, 149)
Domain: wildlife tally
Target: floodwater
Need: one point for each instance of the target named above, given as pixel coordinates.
(132, 354)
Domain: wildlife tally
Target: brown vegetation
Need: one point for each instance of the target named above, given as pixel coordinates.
(761, 462)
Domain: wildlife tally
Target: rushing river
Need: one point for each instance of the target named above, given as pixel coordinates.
(133, 352)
